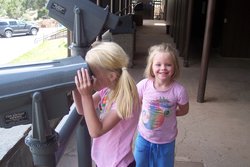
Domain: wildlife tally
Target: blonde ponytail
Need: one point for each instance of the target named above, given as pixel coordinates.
(125, 95)
(110, 56)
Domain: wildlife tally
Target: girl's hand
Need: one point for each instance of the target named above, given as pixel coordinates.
(83, 82)
(182, 109)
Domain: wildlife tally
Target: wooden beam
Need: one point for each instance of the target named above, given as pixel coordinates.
(206, 50)
(187, 33)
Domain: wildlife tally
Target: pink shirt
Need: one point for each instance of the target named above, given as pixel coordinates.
(114, 148)
(157, 122)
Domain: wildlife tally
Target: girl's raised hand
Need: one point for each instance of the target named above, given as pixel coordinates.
(83, 82)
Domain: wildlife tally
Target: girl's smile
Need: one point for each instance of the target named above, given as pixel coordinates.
(163, 67)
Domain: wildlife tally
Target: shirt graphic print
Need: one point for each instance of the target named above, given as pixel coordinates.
(154, 116)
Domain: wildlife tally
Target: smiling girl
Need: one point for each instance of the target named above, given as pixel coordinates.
(162, 99)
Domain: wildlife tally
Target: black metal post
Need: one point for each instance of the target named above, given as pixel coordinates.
(82, 135)
(66, 131)
(43, 141)
(83, 145)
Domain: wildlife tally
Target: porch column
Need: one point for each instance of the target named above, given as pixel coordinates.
(206, 50)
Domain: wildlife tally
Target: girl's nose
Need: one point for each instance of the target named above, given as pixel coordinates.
(163, 67)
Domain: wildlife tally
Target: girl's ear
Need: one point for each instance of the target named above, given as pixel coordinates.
(112, 76)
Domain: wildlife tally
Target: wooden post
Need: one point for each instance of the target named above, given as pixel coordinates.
(206, 50)
(188, 31)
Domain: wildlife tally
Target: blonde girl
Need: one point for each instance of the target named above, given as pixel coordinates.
(162, 99)
(116, 100)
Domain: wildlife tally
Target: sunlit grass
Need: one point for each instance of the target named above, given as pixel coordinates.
(46, 51)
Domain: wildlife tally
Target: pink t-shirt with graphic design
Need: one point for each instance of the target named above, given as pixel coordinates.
(114, 148)
(157, 122)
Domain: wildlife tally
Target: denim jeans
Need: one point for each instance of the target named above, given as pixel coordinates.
(148, 154)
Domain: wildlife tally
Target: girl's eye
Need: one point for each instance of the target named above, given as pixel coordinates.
(168, 65)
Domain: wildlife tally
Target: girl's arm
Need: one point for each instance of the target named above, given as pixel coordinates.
(78, 101)
(96, 126)
(182, 109)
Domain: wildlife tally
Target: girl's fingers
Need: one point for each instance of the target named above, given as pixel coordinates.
(76, 81)
(87, 77)
(83, 82)
(79, 76)
(82, 79)
(83, 76)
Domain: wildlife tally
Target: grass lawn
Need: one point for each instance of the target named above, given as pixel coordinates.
(46, 51)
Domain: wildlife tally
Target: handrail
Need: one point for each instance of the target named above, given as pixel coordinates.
(122, 10)
(53, 35)
(65, 132)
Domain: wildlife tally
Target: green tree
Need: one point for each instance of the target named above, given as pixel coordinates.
(16, 8)
(29, 4)
(40, 4)
(2, 8)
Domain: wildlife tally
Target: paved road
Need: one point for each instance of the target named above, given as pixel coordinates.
(13, 47)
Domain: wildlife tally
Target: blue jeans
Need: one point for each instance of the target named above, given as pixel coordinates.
(148, 154)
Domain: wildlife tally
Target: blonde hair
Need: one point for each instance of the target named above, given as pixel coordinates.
(110, 56)
(162, 48)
